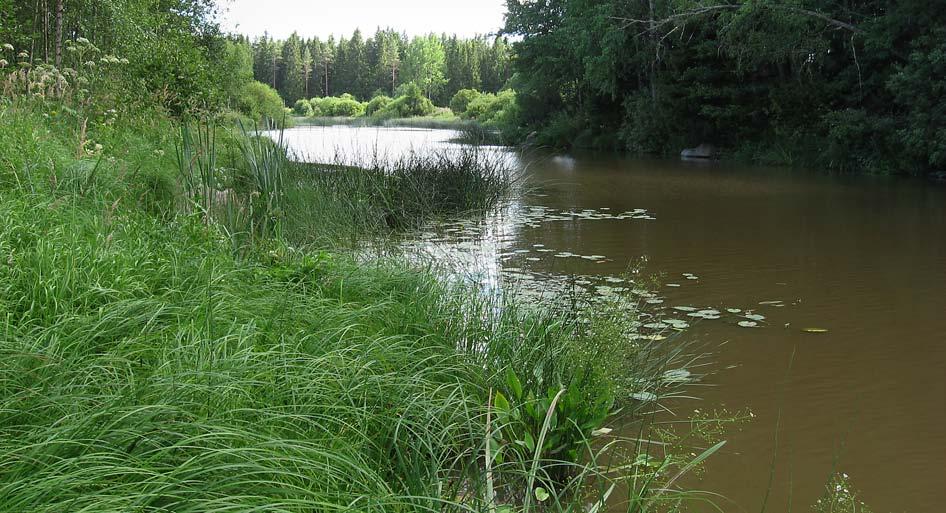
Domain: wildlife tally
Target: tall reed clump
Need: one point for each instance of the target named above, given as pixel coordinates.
(264, 192)
(373, 196)
(247, 198)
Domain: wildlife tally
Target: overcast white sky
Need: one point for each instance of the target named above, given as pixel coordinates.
(341, 17)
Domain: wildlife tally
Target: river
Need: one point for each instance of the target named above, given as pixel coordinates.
(862, 259)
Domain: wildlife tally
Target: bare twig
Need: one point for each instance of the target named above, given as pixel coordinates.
(709, 9)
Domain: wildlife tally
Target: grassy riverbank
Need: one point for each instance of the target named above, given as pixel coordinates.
(153, 361)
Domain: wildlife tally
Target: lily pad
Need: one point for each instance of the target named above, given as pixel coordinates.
(815, 330)
(747, 324)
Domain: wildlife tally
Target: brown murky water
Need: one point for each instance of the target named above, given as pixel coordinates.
(862, 257)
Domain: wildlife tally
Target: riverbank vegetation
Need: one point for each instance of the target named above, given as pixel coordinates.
(185, 328)
(175, 341)
(851, 86)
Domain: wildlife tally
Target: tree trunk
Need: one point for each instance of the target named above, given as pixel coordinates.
(653, 63)
(36, 18)
(59, 11)
(45, 32)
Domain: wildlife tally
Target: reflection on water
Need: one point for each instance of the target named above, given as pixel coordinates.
(826, 297)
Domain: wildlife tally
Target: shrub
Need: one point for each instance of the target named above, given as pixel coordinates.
(261, 103)
(409, 104)
(462, 99)
(377, 104)
(302, 108)
(345, 105)
(492, 108)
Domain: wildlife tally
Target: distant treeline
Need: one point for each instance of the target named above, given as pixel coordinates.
(440, 65)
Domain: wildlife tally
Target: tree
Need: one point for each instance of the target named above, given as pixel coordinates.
(292, 71)
(389, 58)
(238, 65)
(424, 64)
(264, 60)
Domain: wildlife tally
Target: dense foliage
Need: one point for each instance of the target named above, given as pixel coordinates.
(439, 65)
(108, 56)
(849, 85)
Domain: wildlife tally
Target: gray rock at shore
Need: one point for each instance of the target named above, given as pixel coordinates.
(703, 151)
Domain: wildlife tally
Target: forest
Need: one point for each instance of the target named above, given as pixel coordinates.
(440, 65)
(846, 85)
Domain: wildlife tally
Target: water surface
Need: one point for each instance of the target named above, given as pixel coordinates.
(861, 257)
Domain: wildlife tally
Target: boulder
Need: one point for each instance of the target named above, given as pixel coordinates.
(703, 151)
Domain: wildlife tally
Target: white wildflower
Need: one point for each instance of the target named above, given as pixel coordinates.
(8, 47)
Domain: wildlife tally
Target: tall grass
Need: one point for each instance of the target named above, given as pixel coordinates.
(145, 366)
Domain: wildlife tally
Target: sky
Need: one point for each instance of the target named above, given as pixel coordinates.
(341, 17)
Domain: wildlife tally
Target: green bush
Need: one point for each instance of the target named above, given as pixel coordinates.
(302, 108)
(462, 99)
(261, 103)
(410, 103)
(342, 106)
(377, 104)
(492, 108)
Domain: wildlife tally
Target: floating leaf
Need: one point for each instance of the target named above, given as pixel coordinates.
(815, 330)
(644, 396)
(754, 317)
(601, 431)
(748, 324)
(655, 326)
